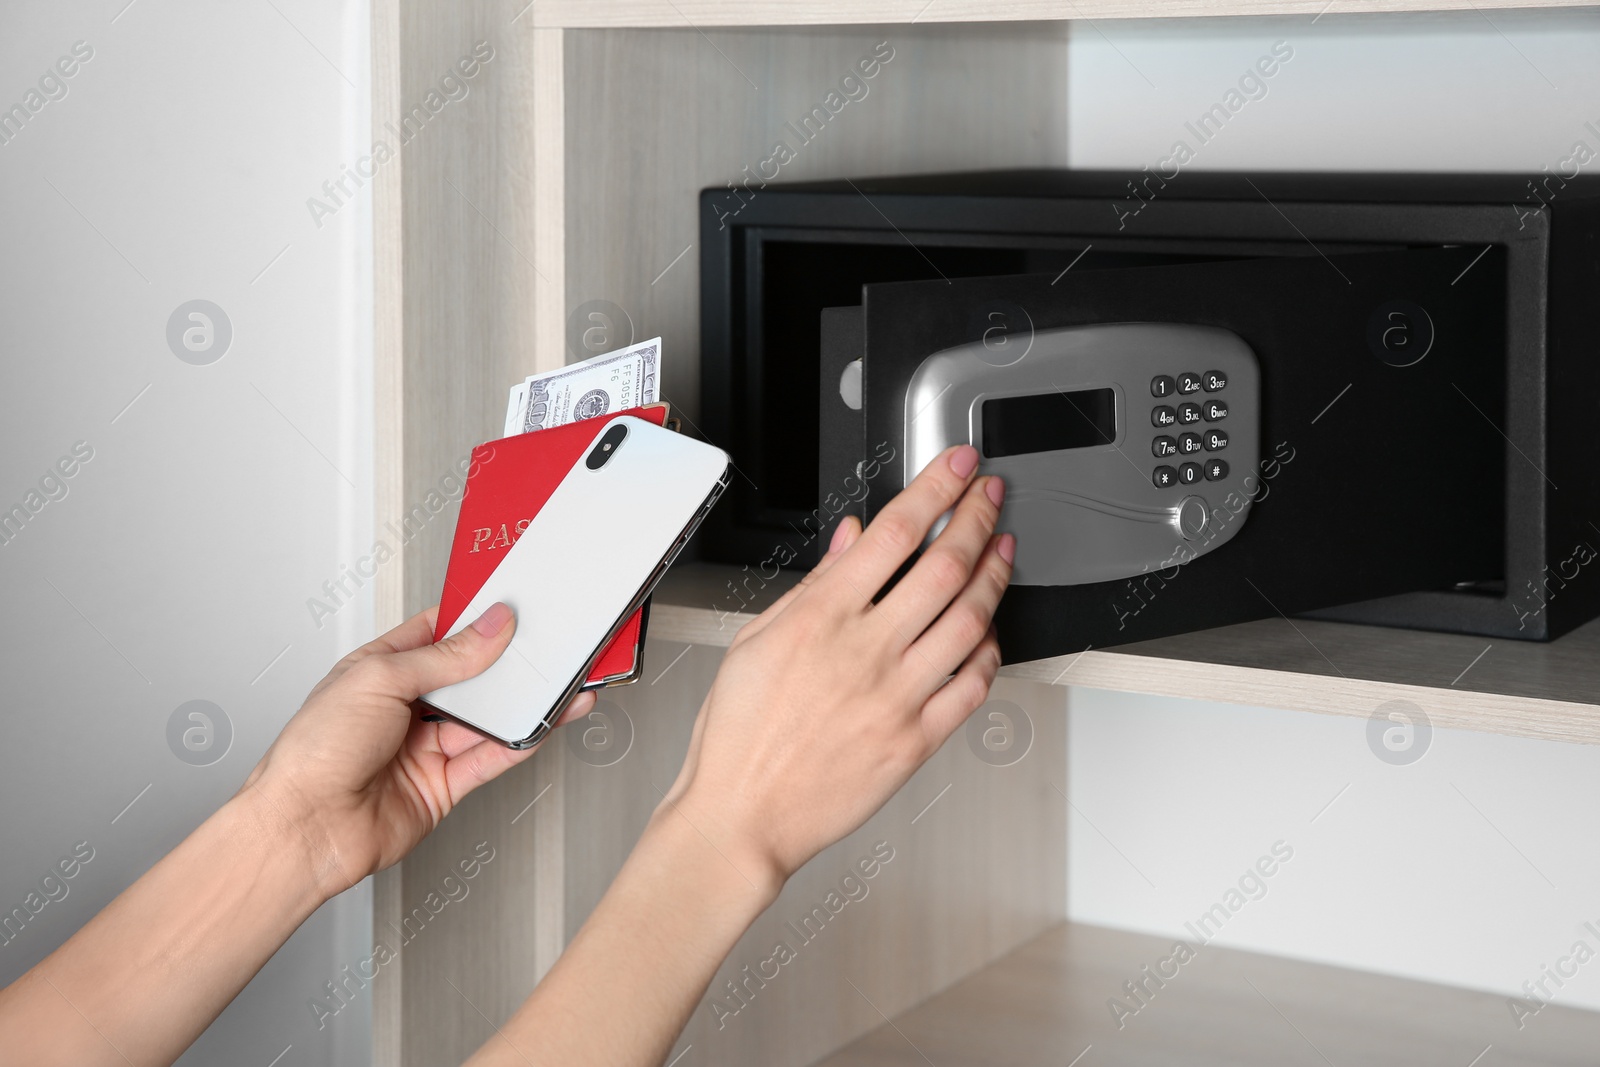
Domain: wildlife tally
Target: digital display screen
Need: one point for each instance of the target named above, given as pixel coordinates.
(1048, 422)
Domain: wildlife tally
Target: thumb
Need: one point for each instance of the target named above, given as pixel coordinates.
(458, 657)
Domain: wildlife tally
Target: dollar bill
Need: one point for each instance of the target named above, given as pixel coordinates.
(519, 396)
(599, 386)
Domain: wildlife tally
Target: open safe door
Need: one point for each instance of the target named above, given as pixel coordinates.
(1190, 446)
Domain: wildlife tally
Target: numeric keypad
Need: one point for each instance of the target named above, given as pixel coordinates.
(1211, 409)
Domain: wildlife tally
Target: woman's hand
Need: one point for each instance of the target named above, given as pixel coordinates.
(827, 702)
(824, 706)
(355, 780)
(359, 773)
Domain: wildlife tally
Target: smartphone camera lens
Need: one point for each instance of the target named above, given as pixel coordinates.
(602, 452)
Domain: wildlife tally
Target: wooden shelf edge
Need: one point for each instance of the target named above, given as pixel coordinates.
(1465, 709)
(697, 14)
(699, 604)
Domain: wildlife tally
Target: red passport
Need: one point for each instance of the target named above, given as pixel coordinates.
(508, 482)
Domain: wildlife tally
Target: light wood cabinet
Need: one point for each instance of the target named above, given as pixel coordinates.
(567, 173)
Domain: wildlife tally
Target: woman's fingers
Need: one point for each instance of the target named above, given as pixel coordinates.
(844, 535)
(581, 705)
(460, 656)
(946, 566)
(898, 530)
(472, 759)
(481, 763)
(968, 619)
(453, 738)
(958, 698)
(413, 633)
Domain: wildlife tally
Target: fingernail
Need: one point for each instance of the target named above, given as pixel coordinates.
(964, 461)
(1007, 548)
(995, 490)
(492, 621)
(838, 537)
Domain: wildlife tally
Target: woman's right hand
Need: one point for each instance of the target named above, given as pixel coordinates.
(827, 702)
(824, 706)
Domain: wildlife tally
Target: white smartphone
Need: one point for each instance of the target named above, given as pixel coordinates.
(584, 564)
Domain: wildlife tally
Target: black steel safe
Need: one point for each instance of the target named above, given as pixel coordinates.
(1427, 377)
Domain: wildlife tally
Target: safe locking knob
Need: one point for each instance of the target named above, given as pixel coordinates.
(1193, 514)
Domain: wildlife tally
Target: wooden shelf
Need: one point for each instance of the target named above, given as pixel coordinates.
(1046, 1002)
(1526, 689)
(699, 13)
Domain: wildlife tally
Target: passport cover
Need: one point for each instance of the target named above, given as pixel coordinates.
(508, 482)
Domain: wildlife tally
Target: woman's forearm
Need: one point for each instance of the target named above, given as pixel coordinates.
(349, 787)
(823, 707)
(652, 945)
(141, 980)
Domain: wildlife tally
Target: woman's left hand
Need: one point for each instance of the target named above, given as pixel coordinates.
(358, 771)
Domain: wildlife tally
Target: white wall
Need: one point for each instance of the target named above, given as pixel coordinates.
(1473, 866)
(178, 564)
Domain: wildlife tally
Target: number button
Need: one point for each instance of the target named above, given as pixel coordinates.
(1164, 446)
(1161, 385)
(1188, 414)
(1216, 410)
(1189, 473)
(1216, 470)
(1163, 416)
(1188, 382)
(1214, 381)
(1189, 444)
(1216, 440)
(1164, 477)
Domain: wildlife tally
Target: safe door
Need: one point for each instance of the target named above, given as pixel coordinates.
(1190, 446)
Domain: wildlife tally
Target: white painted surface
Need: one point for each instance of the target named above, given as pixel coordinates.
(1459, 91)
(178, 565)
(1471, 866)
